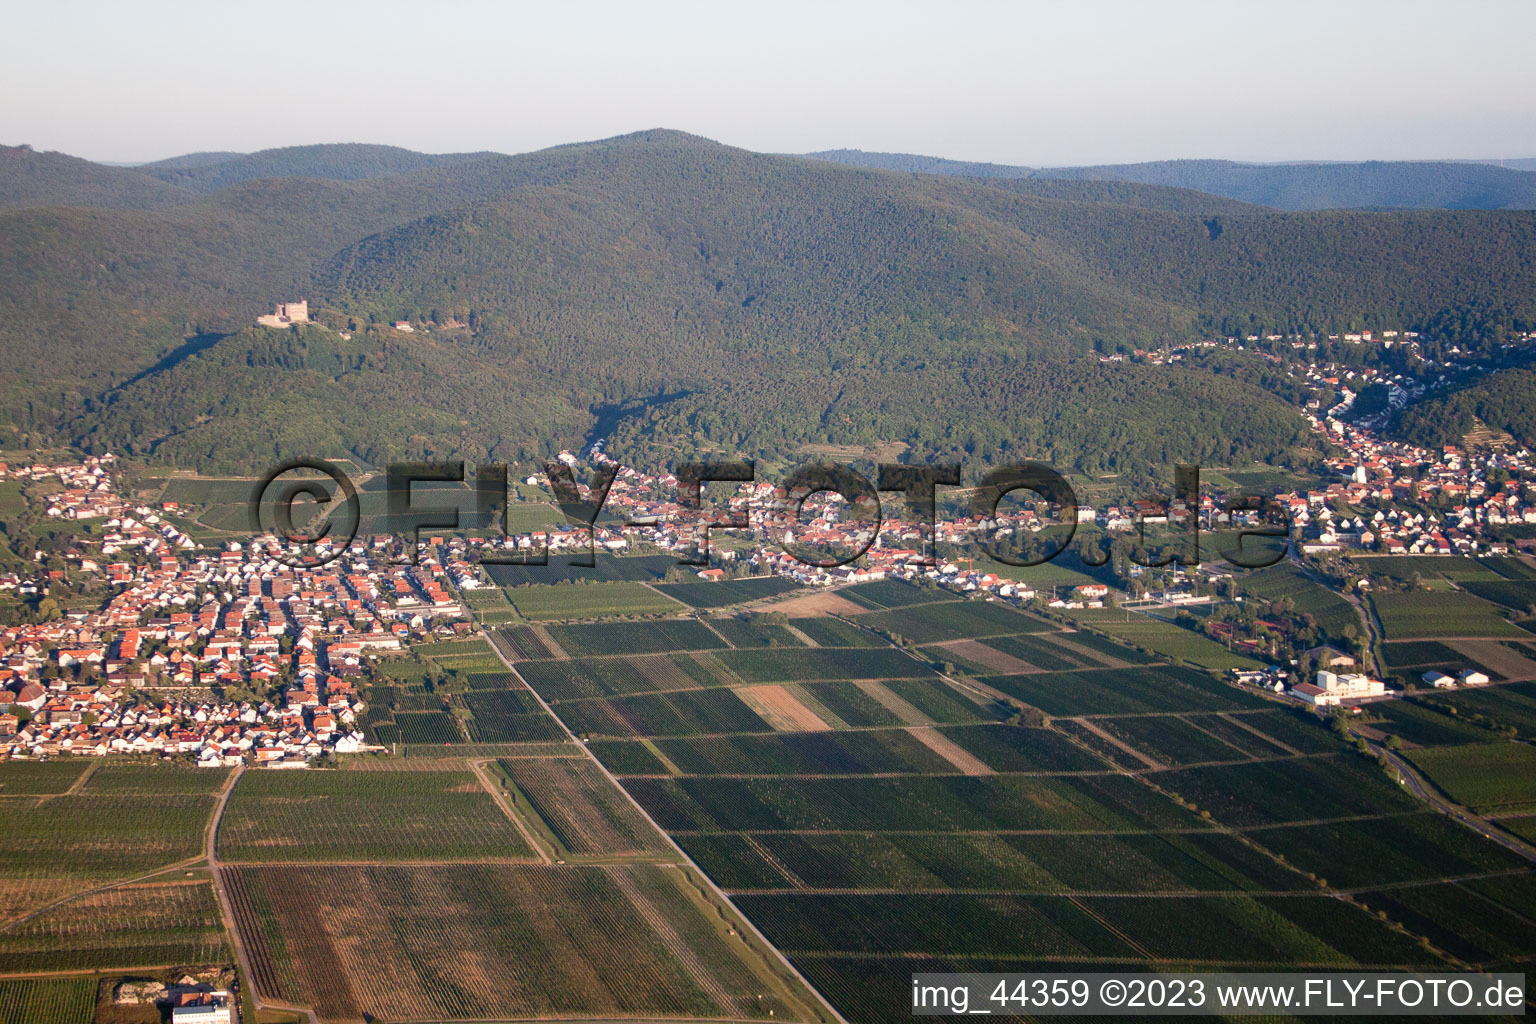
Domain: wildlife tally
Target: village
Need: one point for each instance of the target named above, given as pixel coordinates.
(286, 648)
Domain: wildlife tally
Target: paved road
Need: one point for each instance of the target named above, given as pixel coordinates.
(1421, 788)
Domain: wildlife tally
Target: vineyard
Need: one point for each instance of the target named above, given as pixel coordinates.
(586, 601)
(662, 714)
(1490, 778)
(114, 778)
(99, 837)
(727, 592)
(816, 663)
(942, 803)
(1166, 639)
(873, 818)
(607, 677)
(562, 569)
(657, 637)
(585, 811)
(1379, 851)
(753, 632)
(48, 1000)
(150, 925)
(318, 816)
(812, 753)
(893, 594)
(1423, 614)
(1458, 920)
(477, 942)
(1122, 692)
(37, 778)
(1273, 792)
(829, 632)
(952, 620)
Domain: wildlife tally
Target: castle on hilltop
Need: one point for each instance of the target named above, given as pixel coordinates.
(286, 315)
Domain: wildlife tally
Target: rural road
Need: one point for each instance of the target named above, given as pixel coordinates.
(210, 851)
(1425, 791)
(704, 878)
(1374, 635)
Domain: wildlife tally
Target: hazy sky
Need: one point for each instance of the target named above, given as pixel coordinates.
(1079, 81)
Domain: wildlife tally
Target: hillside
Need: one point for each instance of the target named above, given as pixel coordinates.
(29, 178)
(208, 172)
(659, 286)
(1505, 400)
(1451, 185)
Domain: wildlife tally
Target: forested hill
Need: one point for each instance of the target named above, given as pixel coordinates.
(1504, 401)
(31, 178)
(204, 173)
(1450, 185)
(668, 286)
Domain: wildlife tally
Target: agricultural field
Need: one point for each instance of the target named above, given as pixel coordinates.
(562, 569)
(459, 941)
(609, 677)
(1171, 740)
(509, 716)
(1508, 707)
(1490, 778)
(1123, 691)
(208, 491)
(319, 816)
(893, 594)
(1426, 615)
(727, 592)
(12, 501)
(683, 713)
(634, 637)
(38, 778)
(952, 620)
(63, 844)
(1454, 568)
(1400, 848)
(114, 777)
(752, 631)
(1518, 596)
(590, 601)
(1165, 639)
(825, 631)
(1419, 724)
(820, 663)
(48, 1000)
(133, 926)
(1285, 582)
(585, 812)
(1458, 919)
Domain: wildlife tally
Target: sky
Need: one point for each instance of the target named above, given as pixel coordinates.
(1042, 84)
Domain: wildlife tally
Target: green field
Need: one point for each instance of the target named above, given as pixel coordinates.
(1165, 639)
(1431, 614)
(48, 1000)
(1285, 582)
(635, 637)
(319, 816)
(589, 601)
(727, 592)
(1490, 778)
(952, 620)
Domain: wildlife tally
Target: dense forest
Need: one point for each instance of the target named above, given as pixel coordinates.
(1504, 400)
(1374, 184)
(672, 292)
